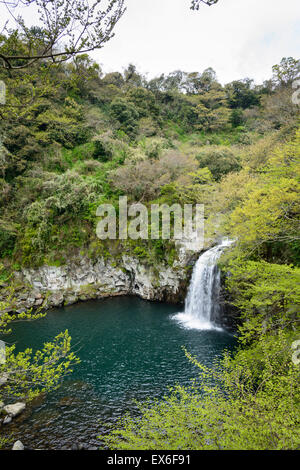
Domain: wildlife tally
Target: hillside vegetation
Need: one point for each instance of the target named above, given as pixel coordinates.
(73, 138)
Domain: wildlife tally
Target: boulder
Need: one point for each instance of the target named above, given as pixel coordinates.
(15, 409)
(18, 446)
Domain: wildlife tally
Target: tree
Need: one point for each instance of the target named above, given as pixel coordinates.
(286, 72)
(82, 75)
(127, 115)
(267, 296)
(248, 402)
(143, 180)
(195, 82)
(242, 94)
(65, 28)
(132, 77)
(269, 214)
(113, 78)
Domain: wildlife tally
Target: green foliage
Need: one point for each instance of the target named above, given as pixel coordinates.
(28, 373)
(212, 111)
(127, 115)
(267, 296)
(151, 252)
(31, 374)
(4, 441)
(60, 197)
(241, 94)
(143, 101)
(78, 153)
(237, 117)
(144, 179)
(196, 3)
(84, 28)
(286, 72)
(66, 122)
(269, 212)
(7, 317)
(102, 149)
(250, 402)
(7, 242)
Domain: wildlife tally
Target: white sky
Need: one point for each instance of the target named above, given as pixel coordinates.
(238, 38)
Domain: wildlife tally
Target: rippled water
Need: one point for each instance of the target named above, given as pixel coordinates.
(130, 349)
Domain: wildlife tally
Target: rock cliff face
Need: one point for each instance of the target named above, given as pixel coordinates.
(82, 279)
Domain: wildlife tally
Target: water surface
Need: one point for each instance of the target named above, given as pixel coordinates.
(130, 349)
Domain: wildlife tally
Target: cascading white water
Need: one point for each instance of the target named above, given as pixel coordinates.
(202, 306)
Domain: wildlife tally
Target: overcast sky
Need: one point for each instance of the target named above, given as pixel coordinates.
(238, 38)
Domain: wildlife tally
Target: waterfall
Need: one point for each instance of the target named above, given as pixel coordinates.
(202, 306)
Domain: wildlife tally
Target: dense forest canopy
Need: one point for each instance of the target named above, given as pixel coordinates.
(73, 136)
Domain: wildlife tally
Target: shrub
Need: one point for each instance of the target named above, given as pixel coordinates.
(266, 294)
(250, 402)
(103, 149)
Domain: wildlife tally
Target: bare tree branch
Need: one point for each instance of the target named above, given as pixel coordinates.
(64, 29)
(196, 3)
